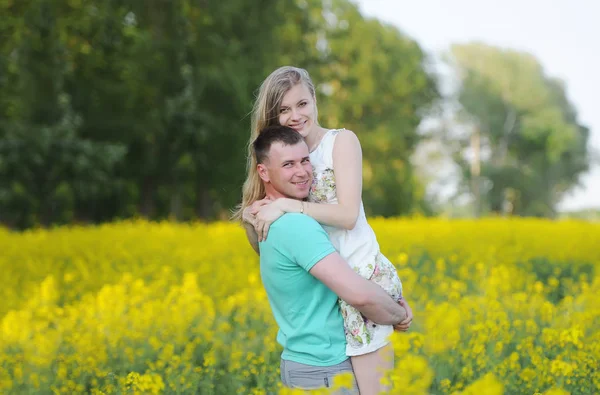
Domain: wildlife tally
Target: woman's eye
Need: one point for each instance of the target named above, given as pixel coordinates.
(283, 110)
(303, 104)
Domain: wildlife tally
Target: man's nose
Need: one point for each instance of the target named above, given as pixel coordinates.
(300, 169)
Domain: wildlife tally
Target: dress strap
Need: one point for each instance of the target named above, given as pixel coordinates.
(327, 143)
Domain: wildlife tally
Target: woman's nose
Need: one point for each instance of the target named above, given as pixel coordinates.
(294, 113)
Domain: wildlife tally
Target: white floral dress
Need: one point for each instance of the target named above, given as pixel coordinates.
(360, 249)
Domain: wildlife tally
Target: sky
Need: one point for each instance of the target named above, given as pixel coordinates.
(559, 33)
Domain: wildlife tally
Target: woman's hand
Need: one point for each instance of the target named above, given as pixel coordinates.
(249, 213)
(404, 324)
(266, 215)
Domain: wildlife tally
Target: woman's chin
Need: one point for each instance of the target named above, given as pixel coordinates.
(305, 130)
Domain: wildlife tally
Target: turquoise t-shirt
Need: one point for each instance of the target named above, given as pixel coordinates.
(311, 328)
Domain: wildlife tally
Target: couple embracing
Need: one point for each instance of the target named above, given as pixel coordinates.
(335, 297)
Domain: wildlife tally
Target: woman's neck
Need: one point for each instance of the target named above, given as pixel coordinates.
(314, 137)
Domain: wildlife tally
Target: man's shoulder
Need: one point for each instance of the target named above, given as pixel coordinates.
(296, 238)
(290, 221)
(292, 227)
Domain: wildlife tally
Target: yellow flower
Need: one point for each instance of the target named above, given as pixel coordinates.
(556, 391)
(175, 306)
(345, 380)
(487, 385)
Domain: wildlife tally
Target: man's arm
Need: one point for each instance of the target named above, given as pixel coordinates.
(367, 297)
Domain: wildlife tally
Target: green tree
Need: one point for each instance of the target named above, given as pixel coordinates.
(45, 168)
(120, 108)
(521, 126)
(247, 42)
(375, 83)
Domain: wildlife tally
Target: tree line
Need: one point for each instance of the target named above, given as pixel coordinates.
(123, 108)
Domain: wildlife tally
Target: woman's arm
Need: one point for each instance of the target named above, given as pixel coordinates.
(252, 236)
(347, 167)
(249, 218)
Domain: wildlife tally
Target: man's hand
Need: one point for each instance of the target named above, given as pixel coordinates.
(403, 325)
(266, 215)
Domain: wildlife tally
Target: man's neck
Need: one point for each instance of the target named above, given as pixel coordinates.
(273, 194)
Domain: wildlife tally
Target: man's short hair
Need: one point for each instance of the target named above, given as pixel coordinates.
(273, 134)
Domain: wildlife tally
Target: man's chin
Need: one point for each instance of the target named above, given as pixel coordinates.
(298, 195)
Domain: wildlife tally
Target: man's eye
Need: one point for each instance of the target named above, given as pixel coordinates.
(306, 160)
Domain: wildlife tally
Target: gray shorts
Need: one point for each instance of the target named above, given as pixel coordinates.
(298, 375)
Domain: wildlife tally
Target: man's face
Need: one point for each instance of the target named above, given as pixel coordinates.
(287, 171)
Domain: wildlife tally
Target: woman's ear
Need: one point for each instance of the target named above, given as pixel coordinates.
(263, 172)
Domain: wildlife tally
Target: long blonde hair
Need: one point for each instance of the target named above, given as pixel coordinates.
(266, 113)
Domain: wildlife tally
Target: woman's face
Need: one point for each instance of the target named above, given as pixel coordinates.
(297, 110)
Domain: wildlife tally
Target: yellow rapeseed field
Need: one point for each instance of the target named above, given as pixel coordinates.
(502, 306)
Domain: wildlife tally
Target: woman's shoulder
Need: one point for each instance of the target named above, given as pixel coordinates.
(345, 137)
(342, 141)
(341, 132)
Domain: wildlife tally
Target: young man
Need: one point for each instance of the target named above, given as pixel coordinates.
(304, 275)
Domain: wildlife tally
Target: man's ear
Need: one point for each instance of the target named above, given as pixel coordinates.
(263, 173)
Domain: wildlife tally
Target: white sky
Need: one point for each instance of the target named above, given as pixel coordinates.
(560, 33)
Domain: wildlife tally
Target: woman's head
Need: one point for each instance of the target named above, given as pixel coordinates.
(293, 88)
(285, 81)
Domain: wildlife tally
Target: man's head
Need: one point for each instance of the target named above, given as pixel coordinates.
(282, 162)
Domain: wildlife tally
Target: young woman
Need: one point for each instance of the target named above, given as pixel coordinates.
(287, 97)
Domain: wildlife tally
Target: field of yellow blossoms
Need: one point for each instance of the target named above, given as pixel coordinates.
(501, 307)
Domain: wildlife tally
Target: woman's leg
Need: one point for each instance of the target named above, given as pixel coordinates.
(370, 368)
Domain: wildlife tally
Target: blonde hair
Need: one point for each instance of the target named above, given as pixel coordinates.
(266, 113)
